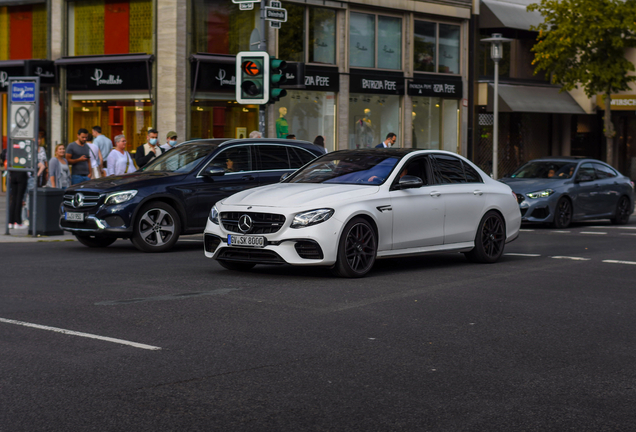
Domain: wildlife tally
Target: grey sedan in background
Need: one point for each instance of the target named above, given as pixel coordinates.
(561, 190)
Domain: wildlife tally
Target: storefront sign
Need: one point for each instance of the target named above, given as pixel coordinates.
(449, 88)
(215, 77)
(619, 102)
(45, 69)
(322, 79)
(376, 82)
(116, 76)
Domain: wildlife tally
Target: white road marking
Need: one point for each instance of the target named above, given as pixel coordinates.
(634, 234)
(619, 262)
(571, 258)
(630, 228)
(526, 230)
(86, 335)
(562, 232)
(524, 255)
(593, 232)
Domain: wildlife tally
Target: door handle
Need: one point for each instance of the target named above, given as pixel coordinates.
(247, 178)
(478, 192)
(435, 194)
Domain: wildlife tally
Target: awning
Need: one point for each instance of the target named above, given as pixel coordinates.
(218, 73)
(499, 14)
(100, 59)
(533, 99)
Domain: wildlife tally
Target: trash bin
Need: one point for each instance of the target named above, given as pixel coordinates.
(48, 211)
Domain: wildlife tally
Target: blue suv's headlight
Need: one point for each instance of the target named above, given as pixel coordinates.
(120, 197)
(540, 194)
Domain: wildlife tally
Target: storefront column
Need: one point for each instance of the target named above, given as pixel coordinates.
(57, 36)
(171, 102)
(406, 140)
(342, 109)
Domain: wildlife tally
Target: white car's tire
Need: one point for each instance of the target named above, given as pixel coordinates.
(357, 249)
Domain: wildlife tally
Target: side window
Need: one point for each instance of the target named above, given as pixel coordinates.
(417, 167)
(586, 170)
(604, 172)
(299, 157)
(472, 176)
(449, 169)
(233, 159)
(273, 157)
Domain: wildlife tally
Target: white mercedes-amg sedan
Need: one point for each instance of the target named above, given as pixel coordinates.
(346, 209)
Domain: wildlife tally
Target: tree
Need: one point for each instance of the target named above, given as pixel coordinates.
(583, 42)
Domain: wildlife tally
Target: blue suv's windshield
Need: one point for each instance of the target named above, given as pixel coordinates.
(182, 159)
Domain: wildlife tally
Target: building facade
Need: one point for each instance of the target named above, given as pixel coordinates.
(358, 70)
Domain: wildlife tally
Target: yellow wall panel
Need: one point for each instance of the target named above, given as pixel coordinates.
(39, 31)
(89, 27)
(4, 33)
(140, 29)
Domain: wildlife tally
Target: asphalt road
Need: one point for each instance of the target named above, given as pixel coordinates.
(541, 341)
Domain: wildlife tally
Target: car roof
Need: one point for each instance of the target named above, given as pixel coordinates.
(568, 159)
(227, 142)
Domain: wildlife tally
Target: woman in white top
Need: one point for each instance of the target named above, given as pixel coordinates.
(119, 160)
(96, 160)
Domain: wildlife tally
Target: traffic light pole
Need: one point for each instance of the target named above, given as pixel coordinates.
(262, 47)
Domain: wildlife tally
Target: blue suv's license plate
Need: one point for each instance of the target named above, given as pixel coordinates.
(74, 216)
(249, 241)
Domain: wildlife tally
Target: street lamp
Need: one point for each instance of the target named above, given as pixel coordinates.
(496, 54)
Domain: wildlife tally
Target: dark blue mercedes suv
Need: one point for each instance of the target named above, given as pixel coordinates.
(174, 193)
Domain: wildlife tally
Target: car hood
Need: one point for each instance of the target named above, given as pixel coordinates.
(299, 195)
(526, 185)
(121, 182)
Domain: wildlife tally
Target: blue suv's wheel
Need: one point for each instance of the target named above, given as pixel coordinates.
(157, 227)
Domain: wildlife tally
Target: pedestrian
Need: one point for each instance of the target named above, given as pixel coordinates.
(59, 174)
(148, 151)
(97, 161)
(291, 136)
(320, 141)
(18, 183)
(256, 134)
(119, 160)
(388, 142)
(78, 156)
(102, 141)
(42, 160)
(171, 142)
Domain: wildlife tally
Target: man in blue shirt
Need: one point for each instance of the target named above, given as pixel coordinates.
(104, 144)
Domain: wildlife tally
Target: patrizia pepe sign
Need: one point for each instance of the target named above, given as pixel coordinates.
(376, 82)
(449, 88)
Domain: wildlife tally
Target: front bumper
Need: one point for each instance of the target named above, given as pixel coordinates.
(315, 245)
(537, 209)
(102, 220)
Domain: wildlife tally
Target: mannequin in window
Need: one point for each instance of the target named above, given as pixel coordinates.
(282, 127)
(364, 127)
(414, 145)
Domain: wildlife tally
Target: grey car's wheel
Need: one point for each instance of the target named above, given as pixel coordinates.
(95, 242)
(622, 212)
(563, 213)
(236, 265)
(490, 239)
(157, 227)
(356, 250)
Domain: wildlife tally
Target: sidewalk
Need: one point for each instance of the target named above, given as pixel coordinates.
(22, 235)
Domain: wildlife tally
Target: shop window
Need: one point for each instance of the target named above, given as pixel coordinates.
(372, 117)
(309, 35)
(307, 114)
(435, 123)
(375, 41)
(436, 47)
(23, 32)
(131, 117)
(222, 119)
(219, 27)
(98, 27)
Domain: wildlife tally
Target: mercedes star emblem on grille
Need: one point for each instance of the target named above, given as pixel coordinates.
(245, 223)
(78, 200)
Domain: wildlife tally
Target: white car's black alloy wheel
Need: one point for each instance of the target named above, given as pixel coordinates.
(357, 249)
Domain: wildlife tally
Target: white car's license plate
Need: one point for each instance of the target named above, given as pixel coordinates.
(241, 240)
(75, 217)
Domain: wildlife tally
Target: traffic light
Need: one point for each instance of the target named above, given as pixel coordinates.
(277, 74)
(252, 71)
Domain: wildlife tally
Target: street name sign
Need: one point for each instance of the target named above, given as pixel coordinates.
(246, 6)
(275, 14)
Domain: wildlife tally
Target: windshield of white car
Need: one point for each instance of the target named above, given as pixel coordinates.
(181, 159)
(351, 168)
(546, 170)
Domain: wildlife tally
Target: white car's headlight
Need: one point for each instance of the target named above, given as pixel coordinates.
(214, 215)
(540, 194)
(120, 197)
(311, 217)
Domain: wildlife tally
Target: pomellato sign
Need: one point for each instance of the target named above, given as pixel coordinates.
(111, 80)
(116, 76)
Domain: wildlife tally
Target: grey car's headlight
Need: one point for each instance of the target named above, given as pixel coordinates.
(120, 197)
(311, 217)
(214, 215)
(540, 194)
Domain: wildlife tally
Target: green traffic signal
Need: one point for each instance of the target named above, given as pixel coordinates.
(279, 93)
(277, 77)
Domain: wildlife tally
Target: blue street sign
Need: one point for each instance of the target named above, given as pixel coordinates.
(23, 92)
